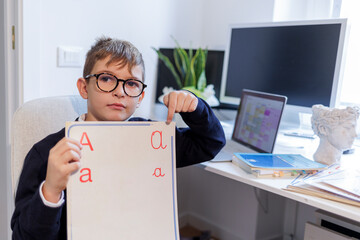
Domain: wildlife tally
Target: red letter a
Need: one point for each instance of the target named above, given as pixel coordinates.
(88, 174)
(87, 141)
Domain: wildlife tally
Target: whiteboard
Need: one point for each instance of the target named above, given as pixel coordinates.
(126, 185)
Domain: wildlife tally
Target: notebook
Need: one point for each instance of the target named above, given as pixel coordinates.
(256, 125)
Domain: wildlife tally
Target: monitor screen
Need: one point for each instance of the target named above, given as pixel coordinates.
(258, 119)
(300, 60)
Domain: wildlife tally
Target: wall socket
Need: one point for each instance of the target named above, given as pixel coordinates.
(69, 56)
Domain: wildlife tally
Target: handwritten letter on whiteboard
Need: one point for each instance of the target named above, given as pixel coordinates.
(126, 185)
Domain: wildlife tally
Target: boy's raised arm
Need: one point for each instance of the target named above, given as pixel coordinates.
(205, 136)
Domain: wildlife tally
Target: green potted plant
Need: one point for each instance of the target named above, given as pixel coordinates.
(188, 71)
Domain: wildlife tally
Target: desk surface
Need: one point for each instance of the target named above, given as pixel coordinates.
(276, 185)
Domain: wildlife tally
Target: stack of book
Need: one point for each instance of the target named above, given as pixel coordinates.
(276, 165)
(334, 183)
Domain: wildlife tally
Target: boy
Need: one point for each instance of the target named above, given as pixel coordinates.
(113, 84)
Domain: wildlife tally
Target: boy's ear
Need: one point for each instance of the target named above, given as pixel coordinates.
(82, 88)
(140, 99)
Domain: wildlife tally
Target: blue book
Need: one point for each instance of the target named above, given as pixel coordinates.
(269, 161)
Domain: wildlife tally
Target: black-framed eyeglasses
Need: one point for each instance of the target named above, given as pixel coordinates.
(107, 82)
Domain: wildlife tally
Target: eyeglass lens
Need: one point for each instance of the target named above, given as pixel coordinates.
(108, 83)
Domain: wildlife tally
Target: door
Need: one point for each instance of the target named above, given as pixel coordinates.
(10, 98)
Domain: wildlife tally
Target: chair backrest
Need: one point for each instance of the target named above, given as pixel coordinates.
(36, 119)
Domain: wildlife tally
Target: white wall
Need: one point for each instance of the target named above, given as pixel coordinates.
(218, 15)
(303, 9)
(49, 24)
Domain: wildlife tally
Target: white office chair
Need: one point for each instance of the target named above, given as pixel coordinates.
(36, 119)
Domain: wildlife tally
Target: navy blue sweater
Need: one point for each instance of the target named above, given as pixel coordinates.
(33, 220)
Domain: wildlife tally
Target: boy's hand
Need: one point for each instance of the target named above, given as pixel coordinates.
(64, 159)
(179, 101)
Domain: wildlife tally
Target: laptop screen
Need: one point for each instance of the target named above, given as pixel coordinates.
(258, 119)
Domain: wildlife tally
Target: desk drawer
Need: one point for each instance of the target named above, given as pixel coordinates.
(315, 232)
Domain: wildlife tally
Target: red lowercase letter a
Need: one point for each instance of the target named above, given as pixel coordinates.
(160, 144)
(87, 141)
(88, 174)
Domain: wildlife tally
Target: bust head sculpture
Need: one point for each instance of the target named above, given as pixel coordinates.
(336, 129)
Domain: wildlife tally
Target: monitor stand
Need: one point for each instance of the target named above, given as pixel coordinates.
(303, 129)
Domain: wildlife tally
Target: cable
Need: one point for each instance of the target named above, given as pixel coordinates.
(265, 207)
(224, 115)
(293, 235)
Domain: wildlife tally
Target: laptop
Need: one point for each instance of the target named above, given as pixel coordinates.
(256, 125)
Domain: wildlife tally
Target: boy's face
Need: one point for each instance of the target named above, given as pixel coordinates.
(109, 106)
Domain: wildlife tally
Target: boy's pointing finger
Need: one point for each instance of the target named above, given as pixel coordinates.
(170, 102)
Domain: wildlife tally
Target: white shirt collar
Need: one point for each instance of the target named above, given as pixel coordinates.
(82, 117)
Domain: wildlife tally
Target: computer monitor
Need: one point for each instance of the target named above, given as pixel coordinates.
(213, 71)
(299, 59)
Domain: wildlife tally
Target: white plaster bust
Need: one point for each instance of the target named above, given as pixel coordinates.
(336, 129)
